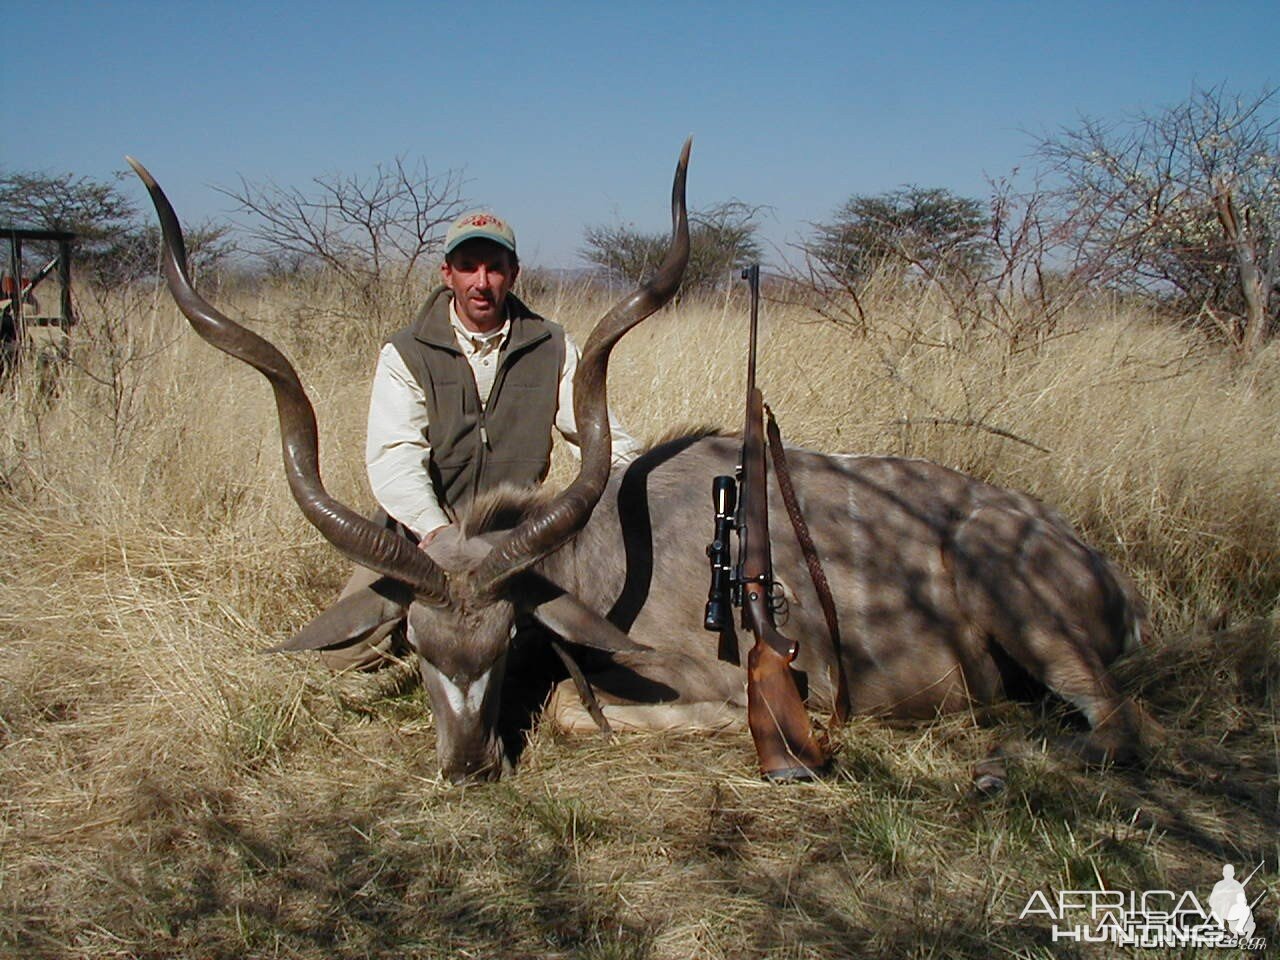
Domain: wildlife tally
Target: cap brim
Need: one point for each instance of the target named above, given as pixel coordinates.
(478, 235)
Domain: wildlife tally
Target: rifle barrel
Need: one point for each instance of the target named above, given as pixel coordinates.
(752, 275)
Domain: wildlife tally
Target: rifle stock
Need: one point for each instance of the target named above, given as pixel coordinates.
(779, 724)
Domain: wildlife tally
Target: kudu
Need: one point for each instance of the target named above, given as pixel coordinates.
(947, 588)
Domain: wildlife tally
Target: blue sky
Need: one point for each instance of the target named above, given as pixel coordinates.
(564, 114)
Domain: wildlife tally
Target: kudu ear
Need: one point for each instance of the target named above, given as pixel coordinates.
(353, 617)
(568, 617)
(560, 612)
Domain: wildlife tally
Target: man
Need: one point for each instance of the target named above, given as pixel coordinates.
(464, 399)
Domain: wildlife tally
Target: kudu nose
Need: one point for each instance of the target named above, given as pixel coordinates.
(466, 775)
(478, 768)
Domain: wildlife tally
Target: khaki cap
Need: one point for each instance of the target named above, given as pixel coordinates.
(479, 225)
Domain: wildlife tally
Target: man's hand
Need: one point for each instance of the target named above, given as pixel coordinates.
(451, 550)
(429, 536)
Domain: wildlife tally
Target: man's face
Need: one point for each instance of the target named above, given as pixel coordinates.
(480, 273)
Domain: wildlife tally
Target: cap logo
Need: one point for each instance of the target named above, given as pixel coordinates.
(479, 224)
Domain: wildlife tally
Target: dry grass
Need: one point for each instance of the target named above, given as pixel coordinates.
(166, 791)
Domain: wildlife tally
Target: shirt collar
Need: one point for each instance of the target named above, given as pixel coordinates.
(479, 341)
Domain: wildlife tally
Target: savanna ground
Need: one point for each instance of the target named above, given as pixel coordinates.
(168, 791)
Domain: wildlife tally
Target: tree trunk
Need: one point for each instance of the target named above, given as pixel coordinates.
(1249, 339)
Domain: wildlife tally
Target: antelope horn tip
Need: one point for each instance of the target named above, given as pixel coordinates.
(141, 171)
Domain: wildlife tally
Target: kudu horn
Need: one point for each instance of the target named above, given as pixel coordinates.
(564, 516)
(360, 540)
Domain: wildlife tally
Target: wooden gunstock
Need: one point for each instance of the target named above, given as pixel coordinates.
(784, 739)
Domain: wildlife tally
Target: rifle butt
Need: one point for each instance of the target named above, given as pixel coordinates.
(779, 723)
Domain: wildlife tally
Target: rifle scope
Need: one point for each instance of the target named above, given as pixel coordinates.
(724, 496)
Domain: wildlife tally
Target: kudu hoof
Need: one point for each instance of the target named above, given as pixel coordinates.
(797, 774)
(1128, 737)
(990, 775)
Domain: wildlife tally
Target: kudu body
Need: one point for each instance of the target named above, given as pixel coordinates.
(948, 590)
(946, 586)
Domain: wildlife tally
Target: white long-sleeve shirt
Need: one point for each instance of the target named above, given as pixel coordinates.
(396, 450)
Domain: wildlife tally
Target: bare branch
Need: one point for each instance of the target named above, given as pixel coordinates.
(968, 424)
(367, 228)
(1183, 204)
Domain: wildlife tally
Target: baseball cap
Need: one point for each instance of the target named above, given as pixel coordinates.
(479, 225)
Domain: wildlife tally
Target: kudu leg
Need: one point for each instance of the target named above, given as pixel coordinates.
(1040, 597)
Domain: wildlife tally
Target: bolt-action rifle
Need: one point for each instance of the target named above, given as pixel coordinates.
(784, 738)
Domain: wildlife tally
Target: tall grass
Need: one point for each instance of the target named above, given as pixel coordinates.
(166, 790)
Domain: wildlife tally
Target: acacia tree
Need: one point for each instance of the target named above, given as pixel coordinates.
(367, 228)
(1184, 203)
(113, 245)
(930, 230)
(722, 240)
(65, 202)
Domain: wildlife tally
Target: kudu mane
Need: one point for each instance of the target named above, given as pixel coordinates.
(505, 507)
(502, 508)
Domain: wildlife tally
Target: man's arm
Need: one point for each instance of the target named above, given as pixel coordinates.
(624, 447)
(396, 450)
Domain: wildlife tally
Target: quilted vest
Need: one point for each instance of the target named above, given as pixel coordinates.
(476, 448)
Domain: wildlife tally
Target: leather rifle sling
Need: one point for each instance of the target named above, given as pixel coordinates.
(840, 712)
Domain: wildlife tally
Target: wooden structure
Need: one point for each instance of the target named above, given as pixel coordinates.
(17, 315)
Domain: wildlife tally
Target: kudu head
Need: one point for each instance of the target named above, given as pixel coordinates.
(465, 592)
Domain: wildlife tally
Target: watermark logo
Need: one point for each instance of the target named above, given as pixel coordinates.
(1153, 918)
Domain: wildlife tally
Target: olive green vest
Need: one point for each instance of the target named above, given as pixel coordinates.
(508, 440)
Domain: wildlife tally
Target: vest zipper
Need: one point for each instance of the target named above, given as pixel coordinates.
(483, 445)
(499, 376)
